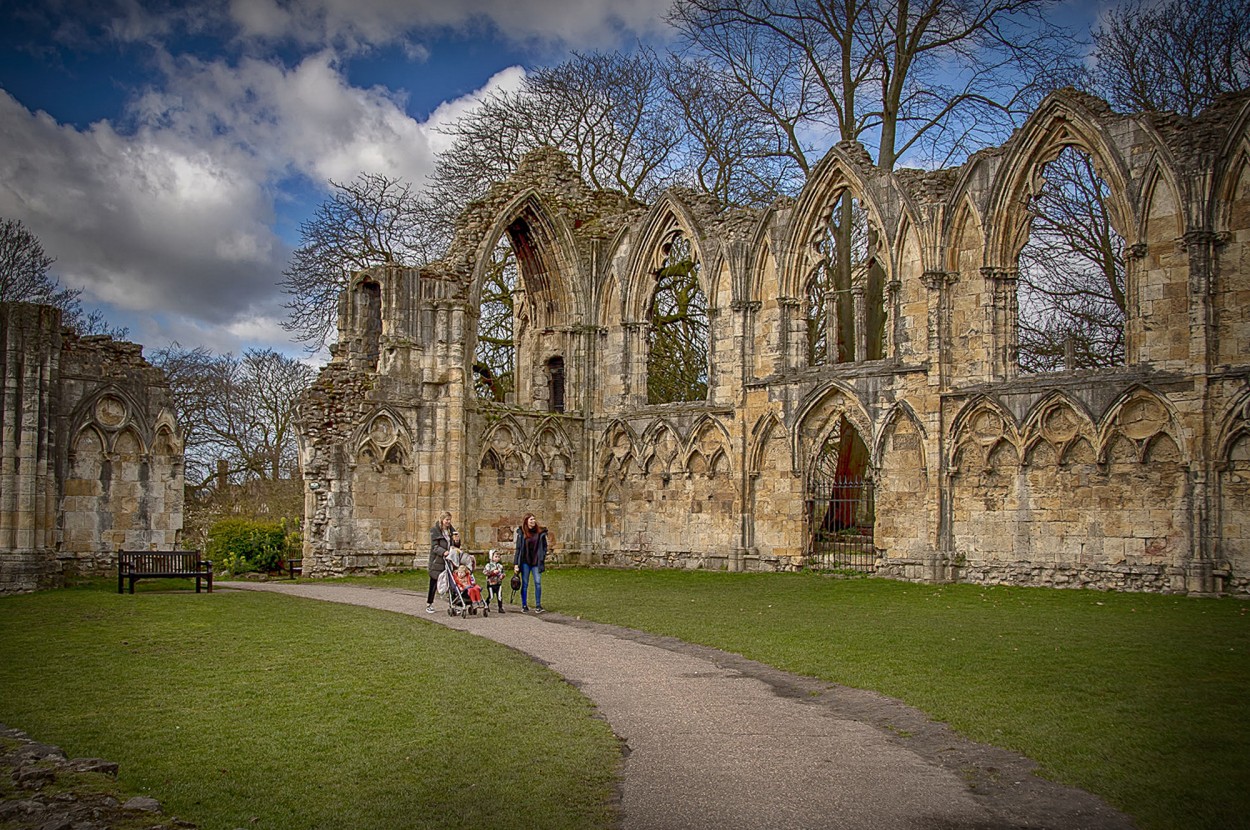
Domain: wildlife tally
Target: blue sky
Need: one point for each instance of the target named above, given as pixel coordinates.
(166, 152)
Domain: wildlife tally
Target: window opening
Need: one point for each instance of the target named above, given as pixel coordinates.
(677, 362)
(555, 380)
(1070, 287)
(494, 372)
(844, 295)
(369, 322)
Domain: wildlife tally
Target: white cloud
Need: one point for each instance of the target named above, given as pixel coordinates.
(170, 220)
(350, 26)
(353, 24)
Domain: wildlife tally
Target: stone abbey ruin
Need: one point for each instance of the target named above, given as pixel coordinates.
(860, 405)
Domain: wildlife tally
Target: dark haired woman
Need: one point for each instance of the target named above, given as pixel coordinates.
(530, 558)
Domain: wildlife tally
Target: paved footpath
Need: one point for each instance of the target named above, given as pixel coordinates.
(717, 741)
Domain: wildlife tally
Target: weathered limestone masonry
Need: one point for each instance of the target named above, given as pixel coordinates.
(90, 453)
(1135, 477)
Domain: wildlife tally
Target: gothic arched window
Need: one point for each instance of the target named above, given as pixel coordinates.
(1070, 289)
(843, 298)
(677, 339)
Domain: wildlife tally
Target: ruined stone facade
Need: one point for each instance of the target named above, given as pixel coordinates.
(90, 454)
(1131, 477)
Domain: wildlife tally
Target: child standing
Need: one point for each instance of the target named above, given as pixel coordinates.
(494, 579)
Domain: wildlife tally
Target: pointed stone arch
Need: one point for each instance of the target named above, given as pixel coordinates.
(546, 253)
(111, 409)
(708, 436)
(507, 440)
(977, 431)
(1232, 167)
(552, 448)
(618, 450)
(1232, 520)
(1058, 421)
(817, 415)
(902, 413)
(1065, 119)
(768, 427)
(383, 437)
(668, 215)
(662, 445)
(1230, 220)
(1139, 415)
(840, 256)
(902, 512)
(836, 173)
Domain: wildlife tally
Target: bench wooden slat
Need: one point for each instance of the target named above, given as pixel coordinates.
(134, 565)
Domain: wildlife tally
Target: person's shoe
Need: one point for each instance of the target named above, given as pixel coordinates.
(525, 609)
(429, 609)
(501, 608)
(539, 610)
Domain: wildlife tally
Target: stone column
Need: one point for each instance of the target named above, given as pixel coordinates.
(937, 282)
(1003, 323)
(635, 363)
(859, 308)
(30, 344)
(893, 290)
(793, 332)
(1201, 247)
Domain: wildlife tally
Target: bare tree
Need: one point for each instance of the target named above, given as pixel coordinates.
(237, 410)
(1071, 273)
(24, 268)
(193, 374)
(24, 277)
(677, 359)
(740, 159)
(1173, 56)
(494, 372)
(940, 76)
(372, 220)
(608, 111)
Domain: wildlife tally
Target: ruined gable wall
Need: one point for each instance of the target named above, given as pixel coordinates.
(1125, 477)
(92, 456)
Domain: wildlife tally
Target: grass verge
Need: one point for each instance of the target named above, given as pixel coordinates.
(239, 709)
(1140, 698)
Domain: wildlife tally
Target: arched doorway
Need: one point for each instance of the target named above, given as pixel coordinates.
(838, 503)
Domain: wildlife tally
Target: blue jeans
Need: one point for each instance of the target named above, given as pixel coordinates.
(526, 570)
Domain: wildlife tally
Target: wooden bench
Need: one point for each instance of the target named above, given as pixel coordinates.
(294, 567)
(154, 564)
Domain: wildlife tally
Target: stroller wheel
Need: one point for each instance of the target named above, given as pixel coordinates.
(485, 612)
(451, 612)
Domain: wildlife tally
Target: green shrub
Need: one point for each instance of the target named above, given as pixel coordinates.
(243, 545)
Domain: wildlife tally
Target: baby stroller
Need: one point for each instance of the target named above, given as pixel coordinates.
(458, 602)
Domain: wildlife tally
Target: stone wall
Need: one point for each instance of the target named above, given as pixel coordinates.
(90, 453)
(1129, 477)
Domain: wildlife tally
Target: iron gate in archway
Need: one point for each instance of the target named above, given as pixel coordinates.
(838, 504)
(840, 521)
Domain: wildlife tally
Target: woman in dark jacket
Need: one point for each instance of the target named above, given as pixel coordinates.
(530, 558)
(440, 543)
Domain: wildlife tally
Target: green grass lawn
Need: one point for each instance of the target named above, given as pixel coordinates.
(239, 709)
(1143, 699)
(234, 705)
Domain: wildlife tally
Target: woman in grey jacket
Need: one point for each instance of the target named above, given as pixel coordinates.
(440, 543)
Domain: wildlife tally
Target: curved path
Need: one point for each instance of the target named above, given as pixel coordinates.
(717, 741)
